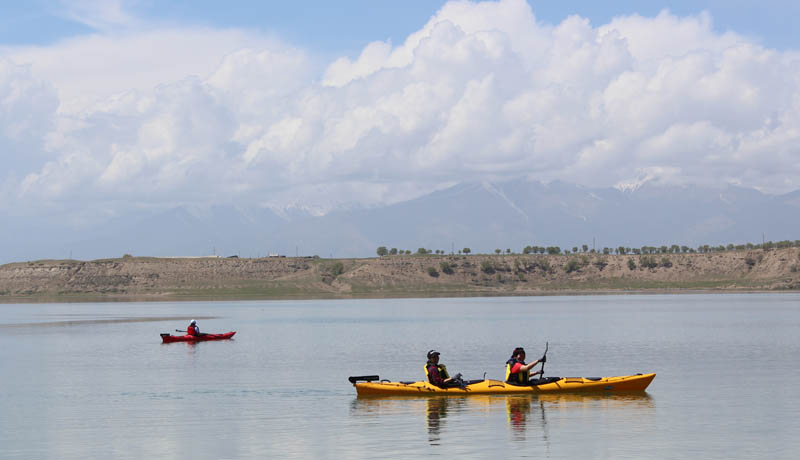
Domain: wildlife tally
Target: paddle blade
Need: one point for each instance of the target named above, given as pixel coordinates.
(363, 378)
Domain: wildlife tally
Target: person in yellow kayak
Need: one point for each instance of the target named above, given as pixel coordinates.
(437, 373)
(517, 372)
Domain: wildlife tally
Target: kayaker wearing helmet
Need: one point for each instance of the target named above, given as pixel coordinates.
(517, 372)
(437, 373)
(193, 329)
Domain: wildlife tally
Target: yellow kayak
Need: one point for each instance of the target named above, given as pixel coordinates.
(372, 386)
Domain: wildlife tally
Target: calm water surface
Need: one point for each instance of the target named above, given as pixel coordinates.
(83, 381)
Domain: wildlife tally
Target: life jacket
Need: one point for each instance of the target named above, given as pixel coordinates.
(520, 377)
(442, 371)
(192, 330)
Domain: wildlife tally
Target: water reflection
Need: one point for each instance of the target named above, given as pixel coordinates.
(518, 408)
(525, 414)
(526, 411)
(70, 320)
(437, 412)
(635, 402)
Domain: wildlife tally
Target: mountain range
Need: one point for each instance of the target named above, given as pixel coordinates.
(481, 216)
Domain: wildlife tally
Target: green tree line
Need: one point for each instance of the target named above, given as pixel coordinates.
(620, 250)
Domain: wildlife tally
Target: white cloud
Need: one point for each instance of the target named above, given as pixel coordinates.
(27, 109)
(104, 15)
(480, 91)
(90, 69)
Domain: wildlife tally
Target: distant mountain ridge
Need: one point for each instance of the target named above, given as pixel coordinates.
(479, 215)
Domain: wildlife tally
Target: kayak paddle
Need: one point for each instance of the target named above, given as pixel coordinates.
(365, 378)
(184, 332)
(546, 347)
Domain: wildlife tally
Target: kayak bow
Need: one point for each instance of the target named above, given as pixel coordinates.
(620, 384)
(168, 338)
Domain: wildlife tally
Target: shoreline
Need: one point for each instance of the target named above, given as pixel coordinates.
(177, 299)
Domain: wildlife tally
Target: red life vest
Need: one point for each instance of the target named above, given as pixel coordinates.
(192, 330)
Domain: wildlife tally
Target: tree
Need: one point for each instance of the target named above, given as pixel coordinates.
(532, 250)
(422, 251)
(648, 261)
(466, 250)
(335, 269)
(631, 264)
(393, 251)
(432, 272)
(497, 251)
(508, 250)
(572, 265)
(585, 247)
(574, 249)
(487, 267)
(382, 251)
(445, 267)
(600, 263)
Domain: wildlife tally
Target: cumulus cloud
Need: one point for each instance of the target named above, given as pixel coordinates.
(482, 91)
(27, 110)
(90, 69)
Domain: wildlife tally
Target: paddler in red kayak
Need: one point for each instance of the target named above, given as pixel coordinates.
(517, 372)
(437, 373)
(193, 329)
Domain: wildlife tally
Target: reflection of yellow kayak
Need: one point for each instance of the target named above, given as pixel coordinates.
(627, 383)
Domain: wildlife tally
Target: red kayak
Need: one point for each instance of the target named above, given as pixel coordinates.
(168, 338)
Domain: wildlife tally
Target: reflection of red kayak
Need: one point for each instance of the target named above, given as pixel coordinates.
(168, 338)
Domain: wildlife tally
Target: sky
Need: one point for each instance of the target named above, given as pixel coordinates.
(113, 105)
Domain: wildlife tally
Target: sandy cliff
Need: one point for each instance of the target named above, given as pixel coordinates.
(144, 278)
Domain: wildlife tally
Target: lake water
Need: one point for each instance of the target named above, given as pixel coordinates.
(85, 381)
